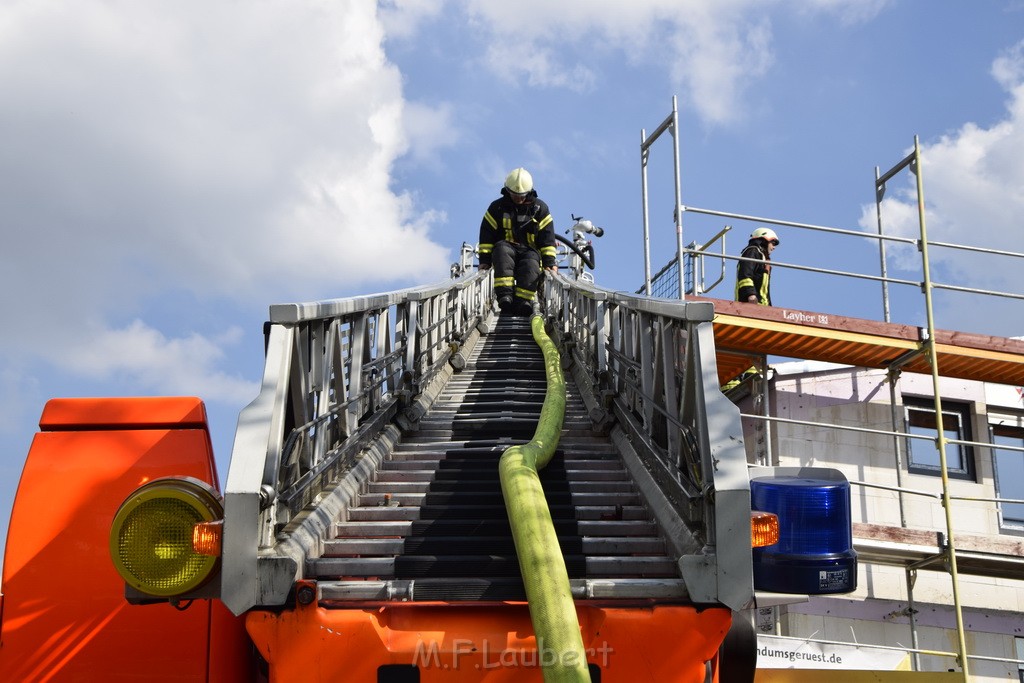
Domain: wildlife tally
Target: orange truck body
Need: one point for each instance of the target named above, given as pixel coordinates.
(65, 617)
(494, 643)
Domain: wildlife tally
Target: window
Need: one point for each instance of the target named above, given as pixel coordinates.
(923, 454)
(1009, 473)
(1019, 642)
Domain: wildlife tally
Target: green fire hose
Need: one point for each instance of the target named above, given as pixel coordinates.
(559, 643)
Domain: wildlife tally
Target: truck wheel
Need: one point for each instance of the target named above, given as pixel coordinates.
(737, 657)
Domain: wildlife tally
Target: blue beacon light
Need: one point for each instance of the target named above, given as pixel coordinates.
(815, 552)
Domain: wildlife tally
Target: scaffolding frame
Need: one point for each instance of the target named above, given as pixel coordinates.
(690, 260)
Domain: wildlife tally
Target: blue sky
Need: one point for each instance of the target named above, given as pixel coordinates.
(172, 168)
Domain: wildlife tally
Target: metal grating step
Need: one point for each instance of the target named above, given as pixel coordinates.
(467, 474)
(493, 566)
(441, 463)
(475, 498)
(392, 513)
(488, 545)
(490, 527)
(492, 487)
(577, 449)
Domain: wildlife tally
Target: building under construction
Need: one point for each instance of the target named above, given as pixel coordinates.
(926, 423)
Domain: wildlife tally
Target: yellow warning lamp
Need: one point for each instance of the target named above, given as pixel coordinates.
(165, 539)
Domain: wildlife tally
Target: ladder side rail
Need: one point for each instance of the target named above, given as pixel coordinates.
(336, 373)
(670, 406)
(706, 474)
(670, 398)
(258, 442)
(717, 422)
(576, 311)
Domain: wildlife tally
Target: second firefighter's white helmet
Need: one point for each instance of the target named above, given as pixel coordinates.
(519, 181)
(765, 234)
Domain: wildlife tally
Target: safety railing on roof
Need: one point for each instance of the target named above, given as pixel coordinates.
(651, 365)
(337, 373)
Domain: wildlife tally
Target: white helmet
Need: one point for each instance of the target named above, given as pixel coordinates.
(766, 234)
(519, 181)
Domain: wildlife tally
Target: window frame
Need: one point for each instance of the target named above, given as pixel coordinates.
(956, 419)
(1019, 645)
(1014, 525)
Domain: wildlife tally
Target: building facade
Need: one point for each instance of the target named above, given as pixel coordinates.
(880, 429)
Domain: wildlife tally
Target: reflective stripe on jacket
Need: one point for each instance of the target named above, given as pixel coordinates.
(526, 224)
(754, 277)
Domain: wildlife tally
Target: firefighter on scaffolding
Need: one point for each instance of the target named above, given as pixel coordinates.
(517, 238)
(753, 283)
(753, 277)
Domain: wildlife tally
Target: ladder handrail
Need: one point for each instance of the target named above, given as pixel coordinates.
(687, 435)
(337, 373)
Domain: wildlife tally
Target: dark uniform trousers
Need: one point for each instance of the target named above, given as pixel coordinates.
(518, 264)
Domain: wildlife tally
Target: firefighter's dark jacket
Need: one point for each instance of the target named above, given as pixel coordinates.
(754, 277)
(528, 224)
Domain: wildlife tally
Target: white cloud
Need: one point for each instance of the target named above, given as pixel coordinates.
(848, 12)
(539, 66)
(182, 138)
(429, 129)
(974, 190)
(232, 152)
(717, 60)
(973, 185)
(185, 365)
(712, 51)
(1008, 70)
(402, 18)
(899, 219)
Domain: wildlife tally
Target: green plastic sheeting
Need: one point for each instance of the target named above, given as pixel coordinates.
(559, 643)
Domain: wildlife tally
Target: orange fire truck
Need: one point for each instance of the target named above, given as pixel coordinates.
(423, 490)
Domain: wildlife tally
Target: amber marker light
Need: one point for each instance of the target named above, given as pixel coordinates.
(764, 529)
(206, 537)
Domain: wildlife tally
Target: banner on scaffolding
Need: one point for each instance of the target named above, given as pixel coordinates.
(774, 652)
